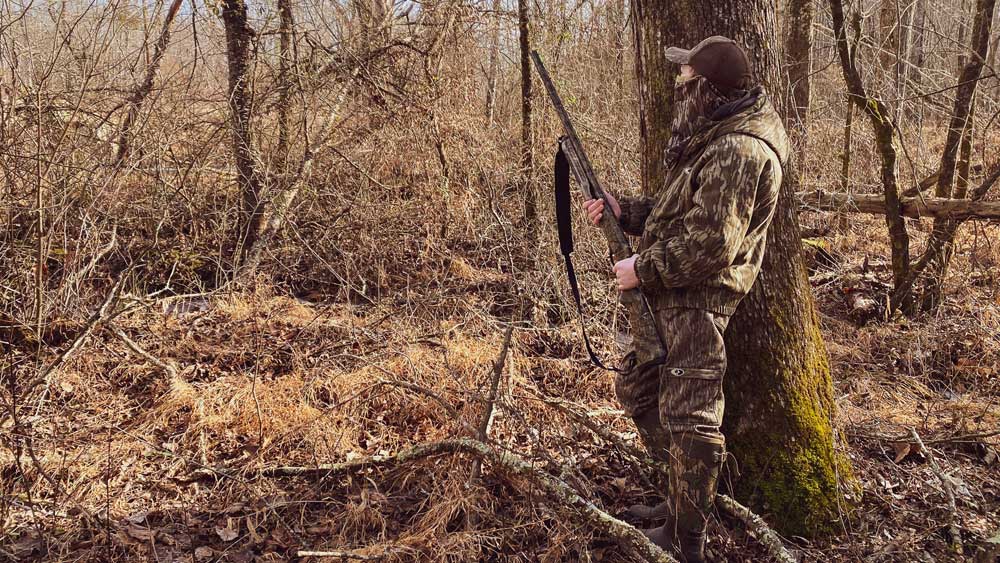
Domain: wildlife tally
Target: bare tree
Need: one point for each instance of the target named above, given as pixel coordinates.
(239, 37)
(880, 114)
(940, 246)
(142, 90)
(527, 150)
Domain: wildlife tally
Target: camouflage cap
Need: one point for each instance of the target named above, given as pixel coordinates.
(719, 59)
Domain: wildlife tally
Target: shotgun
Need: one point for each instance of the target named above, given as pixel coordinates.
(645, 337)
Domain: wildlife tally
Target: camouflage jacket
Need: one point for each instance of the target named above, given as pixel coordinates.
(703, 234)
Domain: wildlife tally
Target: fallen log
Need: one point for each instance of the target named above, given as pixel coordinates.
(915, 207)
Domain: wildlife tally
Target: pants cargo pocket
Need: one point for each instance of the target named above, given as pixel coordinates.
(691, 401)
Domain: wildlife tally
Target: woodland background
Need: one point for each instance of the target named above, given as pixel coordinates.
(244, 240)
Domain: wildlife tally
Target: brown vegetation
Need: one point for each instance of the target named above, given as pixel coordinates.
(212, 269)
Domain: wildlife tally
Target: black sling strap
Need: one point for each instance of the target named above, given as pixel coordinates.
(564, 222)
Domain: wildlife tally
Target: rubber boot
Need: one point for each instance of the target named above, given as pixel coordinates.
(657, 443)
(694, 477)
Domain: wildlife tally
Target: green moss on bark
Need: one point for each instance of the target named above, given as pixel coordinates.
(790, 451)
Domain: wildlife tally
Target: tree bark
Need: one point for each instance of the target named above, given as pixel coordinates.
(953, 209)
(778, 387)
(527, 152)
(238, 37)
(798, 64)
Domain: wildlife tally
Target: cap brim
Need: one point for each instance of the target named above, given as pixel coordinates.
(678, 55)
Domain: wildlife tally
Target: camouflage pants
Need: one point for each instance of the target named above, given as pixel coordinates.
(687, 387)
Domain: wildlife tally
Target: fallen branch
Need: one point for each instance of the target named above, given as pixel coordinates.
(916, 207)
(491, 400)
(609, 436)
(102, 314)
(954, 439)
(949, 489)
(765, 535)
(553, 488)
(340, 554)
(139, 350)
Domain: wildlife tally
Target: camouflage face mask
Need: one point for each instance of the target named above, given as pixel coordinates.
(694, 100)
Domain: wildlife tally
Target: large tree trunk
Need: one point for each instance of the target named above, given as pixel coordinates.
(238, 37)
(798, 63)
(778, 388)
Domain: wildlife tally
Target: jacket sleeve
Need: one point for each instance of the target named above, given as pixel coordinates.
(715, 225)
(635, 210)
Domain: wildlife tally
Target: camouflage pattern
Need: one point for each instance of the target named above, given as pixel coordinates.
(694, 479)
(653, 436)
(687, 385)
(703, 239)
(703, 234)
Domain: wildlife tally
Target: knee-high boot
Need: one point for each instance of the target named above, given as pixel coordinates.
(694, 477)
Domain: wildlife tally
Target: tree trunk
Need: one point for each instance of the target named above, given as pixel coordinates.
(527, 154)
(890, 53)
(494, 64)
(798, 64)
(880, 116)
(238, 38)
(939, 247)
(285, 63)
(916, 69)
(778, 388)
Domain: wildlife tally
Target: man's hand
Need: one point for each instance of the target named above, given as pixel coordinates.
(595, 207)
(625, 272)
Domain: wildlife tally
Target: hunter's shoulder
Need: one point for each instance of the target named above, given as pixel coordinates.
(740, 146)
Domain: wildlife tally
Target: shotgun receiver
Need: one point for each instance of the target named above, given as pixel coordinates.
(645, 337)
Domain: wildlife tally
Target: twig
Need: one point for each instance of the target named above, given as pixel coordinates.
(765, 535)
(553, 488)
(487, 422)
(433, 396)
(171, 370)
(567, 408)
(949, 489)
(340, 554)
(491, 399)
(100, 315)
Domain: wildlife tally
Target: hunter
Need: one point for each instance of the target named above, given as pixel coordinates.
(702, 241)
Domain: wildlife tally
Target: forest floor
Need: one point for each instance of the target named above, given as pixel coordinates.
(159, 439)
